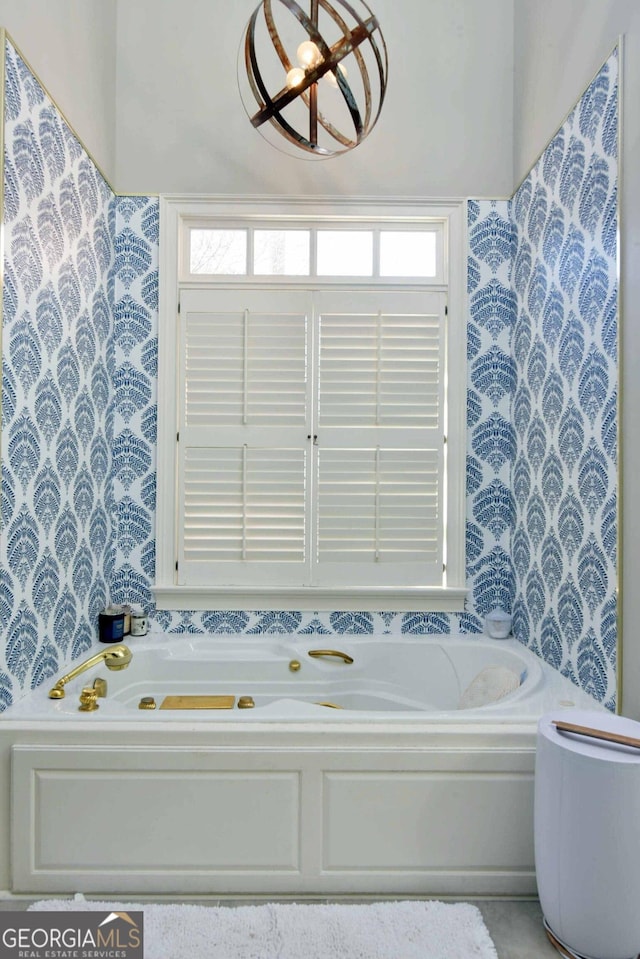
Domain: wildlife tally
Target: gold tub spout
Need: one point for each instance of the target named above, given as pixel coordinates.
(115, 657)
(317, 653)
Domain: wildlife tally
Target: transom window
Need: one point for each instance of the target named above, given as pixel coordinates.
(356, 251)
(311, 413)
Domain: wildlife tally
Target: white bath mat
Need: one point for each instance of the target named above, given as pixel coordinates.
(383, 930)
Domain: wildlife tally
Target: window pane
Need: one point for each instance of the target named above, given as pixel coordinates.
(407, 253)
(345, 253)
(281, 252)
(218, 251)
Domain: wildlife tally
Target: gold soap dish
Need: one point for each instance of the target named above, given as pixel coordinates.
(198, 702)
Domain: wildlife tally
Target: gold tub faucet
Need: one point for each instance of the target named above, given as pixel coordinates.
(115, 657)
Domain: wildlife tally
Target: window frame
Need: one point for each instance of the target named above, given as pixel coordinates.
(177, 214)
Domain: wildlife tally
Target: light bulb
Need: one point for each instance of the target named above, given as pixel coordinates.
(295, 77)
(308, 55)
(330, 76)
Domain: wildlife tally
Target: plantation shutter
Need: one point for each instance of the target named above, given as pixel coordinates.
(380, 440)
(311, 447)
(243, 448)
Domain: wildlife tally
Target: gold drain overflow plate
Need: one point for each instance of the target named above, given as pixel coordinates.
(198, 702)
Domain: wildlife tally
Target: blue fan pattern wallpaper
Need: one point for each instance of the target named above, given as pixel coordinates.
(80, 399)
(56, 551)
(491, 382)
(565, 400)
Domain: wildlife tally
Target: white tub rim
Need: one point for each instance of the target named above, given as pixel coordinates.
(546, 689)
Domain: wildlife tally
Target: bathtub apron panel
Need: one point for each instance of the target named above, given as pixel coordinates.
(124, 819)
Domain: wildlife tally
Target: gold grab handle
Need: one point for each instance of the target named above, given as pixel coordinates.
(317, 653)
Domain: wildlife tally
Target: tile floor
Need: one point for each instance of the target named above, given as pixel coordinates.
(516, 928)
(515, 925)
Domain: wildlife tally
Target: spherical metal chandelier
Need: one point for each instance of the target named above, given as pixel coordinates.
(313, 81)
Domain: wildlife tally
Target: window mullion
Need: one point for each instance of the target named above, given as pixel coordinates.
(250, 254)
(313, 253)
(376, 254)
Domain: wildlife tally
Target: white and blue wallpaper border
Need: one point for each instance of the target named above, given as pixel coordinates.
(79, 405)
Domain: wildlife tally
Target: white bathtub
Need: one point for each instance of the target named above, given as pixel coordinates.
(391, 680)
(397, 792)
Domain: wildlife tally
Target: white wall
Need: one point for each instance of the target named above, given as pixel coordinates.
(71, 46)
(559, 46)
(445, 128)
(171, 120)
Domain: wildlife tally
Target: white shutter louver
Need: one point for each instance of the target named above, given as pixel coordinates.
(380, 370)
(243, 467)
(378, 505)
(244, 504)
(245, 367)
(380, 457)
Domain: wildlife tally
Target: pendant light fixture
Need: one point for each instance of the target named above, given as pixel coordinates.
(313, 80)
